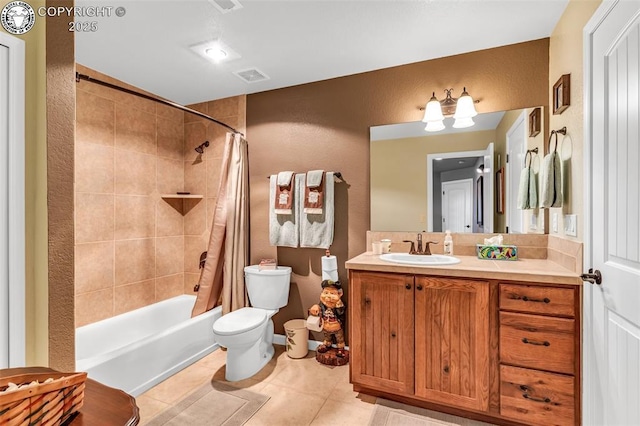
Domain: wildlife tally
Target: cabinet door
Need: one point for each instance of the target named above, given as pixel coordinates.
(381, 322)
(452, 341)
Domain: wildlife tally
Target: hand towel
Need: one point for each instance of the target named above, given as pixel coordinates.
(551, 181)
(314, 192)
(528, 190)
(284, 193)
(316, 230)
(284, 229)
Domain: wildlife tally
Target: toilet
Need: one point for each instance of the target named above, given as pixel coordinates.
(247, 333)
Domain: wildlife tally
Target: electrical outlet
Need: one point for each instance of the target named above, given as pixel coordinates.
(554, 223)
(571, 225)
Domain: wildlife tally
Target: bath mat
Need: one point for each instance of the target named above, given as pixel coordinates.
(215, 403)
(391, 413)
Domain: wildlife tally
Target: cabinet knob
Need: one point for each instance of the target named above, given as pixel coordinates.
(393, 334)
(446, 369)
(367, 301)
(419, 287)
(408, 286)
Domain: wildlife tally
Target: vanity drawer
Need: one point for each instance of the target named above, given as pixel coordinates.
(538, 299)
(537, 398)
(538, 342)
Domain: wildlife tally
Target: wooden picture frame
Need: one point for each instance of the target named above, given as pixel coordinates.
(561, 94)
(500, 190)
(534, 122)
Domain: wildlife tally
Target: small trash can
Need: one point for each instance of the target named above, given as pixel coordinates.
(297, 338)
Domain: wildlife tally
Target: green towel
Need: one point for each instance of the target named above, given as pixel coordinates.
(527, 190)
(551, 181)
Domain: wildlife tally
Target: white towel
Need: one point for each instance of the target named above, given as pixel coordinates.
(316, 230)
(314, 178)
(528, 190)
(284, 178)
(284, 229)
(551, 181)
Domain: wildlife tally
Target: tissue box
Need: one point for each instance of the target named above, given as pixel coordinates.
(497, 252)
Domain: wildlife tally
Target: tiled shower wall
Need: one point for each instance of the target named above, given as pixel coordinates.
(134, 247)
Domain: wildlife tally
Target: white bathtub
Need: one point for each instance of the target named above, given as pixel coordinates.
(136, 350)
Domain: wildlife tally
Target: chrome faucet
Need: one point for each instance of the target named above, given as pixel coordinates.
(427, 249)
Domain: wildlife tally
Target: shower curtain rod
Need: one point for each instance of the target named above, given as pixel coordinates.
(152, 98)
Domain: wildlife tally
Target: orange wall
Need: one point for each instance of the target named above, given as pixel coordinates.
(325, 125)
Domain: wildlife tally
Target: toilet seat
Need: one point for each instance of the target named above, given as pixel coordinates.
(240, 321)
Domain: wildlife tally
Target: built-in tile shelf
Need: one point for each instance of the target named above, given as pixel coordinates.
(182, 196)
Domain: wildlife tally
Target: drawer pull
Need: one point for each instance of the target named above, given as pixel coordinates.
(393, 334)
(446, 369)
(545, 300)
(533, 342)
(367, 301)
(419, 287)
(533, 398)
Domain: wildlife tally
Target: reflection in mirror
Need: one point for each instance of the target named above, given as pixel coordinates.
(411, 168)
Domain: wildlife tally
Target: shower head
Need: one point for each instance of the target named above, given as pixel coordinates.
(200, 148)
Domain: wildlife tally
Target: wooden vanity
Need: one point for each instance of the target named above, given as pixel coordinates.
(497, 341)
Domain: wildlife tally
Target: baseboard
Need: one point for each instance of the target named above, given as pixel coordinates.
(279, 339)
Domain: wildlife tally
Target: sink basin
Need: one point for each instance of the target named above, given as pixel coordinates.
(419, 259)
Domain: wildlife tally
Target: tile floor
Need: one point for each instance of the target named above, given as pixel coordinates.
(301, 391)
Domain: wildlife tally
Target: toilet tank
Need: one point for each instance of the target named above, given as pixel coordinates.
(269, 288)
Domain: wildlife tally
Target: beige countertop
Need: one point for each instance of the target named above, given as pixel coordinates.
(527, 270)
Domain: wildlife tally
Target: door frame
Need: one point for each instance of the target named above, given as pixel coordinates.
(16, 201)
(513, 183)
(430, 159)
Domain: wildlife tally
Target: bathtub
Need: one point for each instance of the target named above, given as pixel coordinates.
(136, 350)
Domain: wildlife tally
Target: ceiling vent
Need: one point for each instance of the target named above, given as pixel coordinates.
(252, 75)
(226, 6)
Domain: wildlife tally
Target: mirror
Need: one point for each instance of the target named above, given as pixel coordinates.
(410, 168)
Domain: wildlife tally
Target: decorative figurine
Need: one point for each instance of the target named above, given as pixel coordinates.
(332, 312)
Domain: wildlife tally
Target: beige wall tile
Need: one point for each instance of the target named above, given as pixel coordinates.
(170, 113)
(191, 118)
(170, 138)
(135, 217)
(135, 130)
(94, 217)
(135, 260)
(135, 173)
(169, 218)
(95, 119)
(94, 266)
(194, 135)
(133, 296)
(193, 247)
(170, 176)
(195, 219)
(135, 102)
(169, 286)
(223, 108)
(213, 177)
(94, 306)
(169, 255)
(94, 168)
(195, 177)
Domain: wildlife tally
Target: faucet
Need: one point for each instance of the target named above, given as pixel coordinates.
(427, 249)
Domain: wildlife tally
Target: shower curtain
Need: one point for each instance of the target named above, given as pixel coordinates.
(228, 251)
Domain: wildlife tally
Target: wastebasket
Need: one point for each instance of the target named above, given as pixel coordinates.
(297, 338)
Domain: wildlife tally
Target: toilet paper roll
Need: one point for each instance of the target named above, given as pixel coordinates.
(314, 323)
(329, 268)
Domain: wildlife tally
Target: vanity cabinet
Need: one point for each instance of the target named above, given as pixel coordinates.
(506, 352)
(421, 336)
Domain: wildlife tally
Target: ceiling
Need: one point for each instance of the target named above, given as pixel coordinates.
(295, 41)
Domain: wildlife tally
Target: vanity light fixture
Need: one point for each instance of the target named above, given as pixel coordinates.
(461, 108)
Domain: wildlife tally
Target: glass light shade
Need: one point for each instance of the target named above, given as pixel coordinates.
(462, 123)
(464, 107)
(434, 126)
(433, 111)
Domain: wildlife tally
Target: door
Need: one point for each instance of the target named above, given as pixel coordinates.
(457, 199)
(452, 341)
(381, 342)
(516, 137)
(488, 185)
(4, 207)
(612, 238)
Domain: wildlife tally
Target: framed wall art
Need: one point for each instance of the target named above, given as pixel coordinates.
(534, 122)
(561, 94)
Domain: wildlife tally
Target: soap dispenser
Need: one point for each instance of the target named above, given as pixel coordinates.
(448, 243)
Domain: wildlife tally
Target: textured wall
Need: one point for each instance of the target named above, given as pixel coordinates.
(325, 125)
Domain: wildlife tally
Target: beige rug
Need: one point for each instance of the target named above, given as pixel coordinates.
(214, 403)
(391, 413)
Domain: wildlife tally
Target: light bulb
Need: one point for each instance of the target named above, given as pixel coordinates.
(215, 53)
(465, 107)
(434, 126)
(433, 110)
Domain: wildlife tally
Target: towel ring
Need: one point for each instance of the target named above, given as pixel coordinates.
(555, 148)
(530, 155)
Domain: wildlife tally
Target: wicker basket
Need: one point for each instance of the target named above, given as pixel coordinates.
(45, 404)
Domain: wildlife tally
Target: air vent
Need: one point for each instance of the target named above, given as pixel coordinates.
(226, 6)
(252, 75)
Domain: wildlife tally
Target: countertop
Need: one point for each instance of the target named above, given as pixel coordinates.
(524, 270)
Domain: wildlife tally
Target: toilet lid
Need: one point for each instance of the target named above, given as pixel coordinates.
(239, 321)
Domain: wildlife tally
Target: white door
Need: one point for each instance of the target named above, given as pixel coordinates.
(612, 238)
(487, 178)
(516, 137)
(457, 196)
